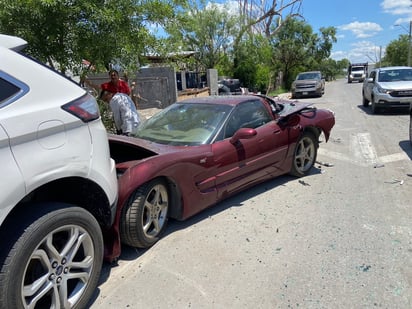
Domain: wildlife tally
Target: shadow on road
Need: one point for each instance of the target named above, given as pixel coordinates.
(406, 146)
(237, 200)
(385, 112)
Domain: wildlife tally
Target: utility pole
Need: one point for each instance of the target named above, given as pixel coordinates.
(409, 46)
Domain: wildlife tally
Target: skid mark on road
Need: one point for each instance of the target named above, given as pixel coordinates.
(363, 153)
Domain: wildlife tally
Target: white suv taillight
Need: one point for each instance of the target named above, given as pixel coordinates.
(85, 108)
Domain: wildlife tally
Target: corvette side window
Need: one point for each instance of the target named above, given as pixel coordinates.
(247, 115)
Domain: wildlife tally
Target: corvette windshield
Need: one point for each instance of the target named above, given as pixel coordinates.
(185, 124)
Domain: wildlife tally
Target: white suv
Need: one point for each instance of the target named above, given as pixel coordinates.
(388, 87)
(58, 185)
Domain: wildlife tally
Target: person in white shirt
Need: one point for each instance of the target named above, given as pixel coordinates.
(126, 117)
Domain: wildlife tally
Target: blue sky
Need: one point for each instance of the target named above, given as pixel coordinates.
(364, 27)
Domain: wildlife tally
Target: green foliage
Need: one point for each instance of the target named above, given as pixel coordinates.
(296, 48)
(106, 116)
(397, 52)
(121, 32)
(208, 31)
(252, 63)
(63, 32)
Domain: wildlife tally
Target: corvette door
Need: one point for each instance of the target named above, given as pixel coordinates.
(252, 158)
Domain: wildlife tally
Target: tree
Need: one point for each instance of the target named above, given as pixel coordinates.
(64, 32)
(252, 63)
(397, 51)
(296, 48)
(292, 47)
(206, 30)
(266, 16)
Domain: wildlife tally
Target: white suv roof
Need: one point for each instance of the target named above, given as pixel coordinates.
(12, 42)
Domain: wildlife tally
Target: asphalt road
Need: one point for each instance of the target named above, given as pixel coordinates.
(339, 238)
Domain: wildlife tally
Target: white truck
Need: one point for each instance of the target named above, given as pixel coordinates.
(357, 72)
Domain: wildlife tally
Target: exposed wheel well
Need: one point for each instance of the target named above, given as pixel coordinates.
(73, 190)
(314, 130)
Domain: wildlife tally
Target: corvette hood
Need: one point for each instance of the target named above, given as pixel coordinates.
(138, 143)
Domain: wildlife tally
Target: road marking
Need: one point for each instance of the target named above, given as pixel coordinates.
(394, 157)
(363, 152)
(335, 155)
(361, 145)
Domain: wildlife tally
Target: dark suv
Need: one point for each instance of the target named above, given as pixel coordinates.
(308, 84)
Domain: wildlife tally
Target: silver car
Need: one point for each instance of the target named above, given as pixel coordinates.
(58, 185)
(387, 88)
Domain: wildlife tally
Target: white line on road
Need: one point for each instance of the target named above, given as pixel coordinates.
(361, 144)
(363, 152)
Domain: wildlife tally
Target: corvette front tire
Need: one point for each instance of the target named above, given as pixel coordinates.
(144, 218)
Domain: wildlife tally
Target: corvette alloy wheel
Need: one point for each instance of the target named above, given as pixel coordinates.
(305, 155)
(144, 218)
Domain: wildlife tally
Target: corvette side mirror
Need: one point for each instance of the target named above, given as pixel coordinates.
(243, 133)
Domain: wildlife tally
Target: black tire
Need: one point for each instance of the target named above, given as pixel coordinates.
(373, 106)
(365, 101)
(51, 259)
(304, 156)
(144, 218)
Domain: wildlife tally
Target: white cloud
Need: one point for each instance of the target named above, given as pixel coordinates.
(362, 29)
(230, 6)
(397, 7)
(362, 51)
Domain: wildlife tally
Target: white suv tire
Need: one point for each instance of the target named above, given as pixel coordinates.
(52, 259)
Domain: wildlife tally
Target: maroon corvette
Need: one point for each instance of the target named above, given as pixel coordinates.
(198, 152)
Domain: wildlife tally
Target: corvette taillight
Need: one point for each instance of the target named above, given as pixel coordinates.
(85, 108)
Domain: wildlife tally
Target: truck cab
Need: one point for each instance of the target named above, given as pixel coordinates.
(357, 72)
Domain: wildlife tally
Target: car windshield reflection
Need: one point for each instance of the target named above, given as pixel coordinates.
(185, 124)
(395, 75)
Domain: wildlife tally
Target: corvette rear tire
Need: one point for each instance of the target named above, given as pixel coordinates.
(51, 258)
(144, 218)
(305, 154)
